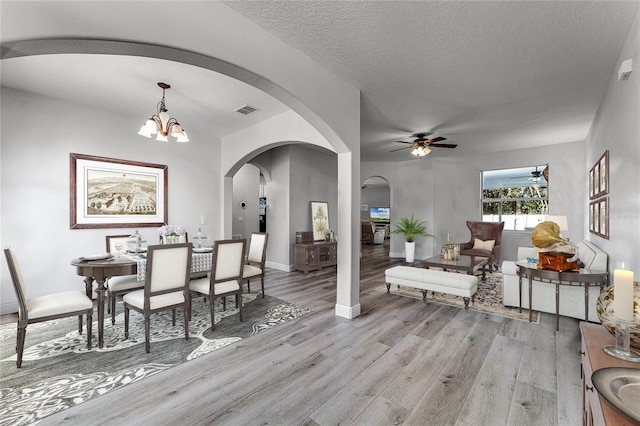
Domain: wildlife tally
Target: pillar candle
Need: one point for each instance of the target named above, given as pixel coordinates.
(623, 294)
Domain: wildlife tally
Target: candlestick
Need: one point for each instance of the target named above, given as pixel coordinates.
(623, 294)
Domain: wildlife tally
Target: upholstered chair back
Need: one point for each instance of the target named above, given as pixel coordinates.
(486, 231)
(229, 259)
(168, 267)
(18, 282)
(257, 247)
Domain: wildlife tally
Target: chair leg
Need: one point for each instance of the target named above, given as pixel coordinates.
(262, 282)
(213, 316)
(239, 297)
(112, 302)
(248, 286)
(173, 317)
(108, 302)
(187, 316)
(126, 322)
(79, 324)
(89, 327)
(224, 303)
(147, 333)
(22, 331)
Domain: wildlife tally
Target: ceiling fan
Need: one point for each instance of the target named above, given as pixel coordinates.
(422, 146)
(536, 176)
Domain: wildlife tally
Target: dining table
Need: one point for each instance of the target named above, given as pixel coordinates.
(100, 270)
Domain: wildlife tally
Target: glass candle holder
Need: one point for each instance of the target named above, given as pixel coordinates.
(622, 349)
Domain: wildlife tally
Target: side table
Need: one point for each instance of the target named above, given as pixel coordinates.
(584, 278)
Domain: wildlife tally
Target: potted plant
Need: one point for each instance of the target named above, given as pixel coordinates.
(411, 228)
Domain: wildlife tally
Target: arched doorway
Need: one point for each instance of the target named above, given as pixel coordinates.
(376, 208)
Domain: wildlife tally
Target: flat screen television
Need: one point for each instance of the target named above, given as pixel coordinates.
(380, 214)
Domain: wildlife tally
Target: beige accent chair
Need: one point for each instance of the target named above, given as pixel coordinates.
(45, 308)
(256, 259)
(166, 287)
(117, 286)
(225, 278)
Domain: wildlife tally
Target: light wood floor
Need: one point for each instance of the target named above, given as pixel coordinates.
(400, 362)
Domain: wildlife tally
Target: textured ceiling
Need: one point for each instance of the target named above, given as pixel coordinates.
(487, 76)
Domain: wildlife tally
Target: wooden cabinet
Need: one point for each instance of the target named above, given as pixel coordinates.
(596, 410)
(313, 256)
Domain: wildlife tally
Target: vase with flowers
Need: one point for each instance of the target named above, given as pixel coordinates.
(170, 234)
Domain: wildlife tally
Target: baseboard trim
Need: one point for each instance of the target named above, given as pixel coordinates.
(349, 312)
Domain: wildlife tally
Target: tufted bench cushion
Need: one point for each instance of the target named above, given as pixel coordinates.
(452, 283)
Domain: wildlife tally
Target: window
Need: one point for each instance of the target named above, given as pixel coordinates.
(518, 197)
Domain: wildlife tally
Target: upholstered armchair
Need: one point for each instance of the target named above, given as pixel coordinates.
(482, 235)
(368, 231)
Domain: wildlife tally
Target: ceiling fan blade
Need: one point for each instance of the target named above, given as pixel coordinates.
(443, 145)
(400, 149)
(438, 139)
(404, 142)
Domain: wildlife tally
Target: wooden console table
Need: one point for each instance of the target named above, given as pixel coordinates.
(596, 410)
(313, 256)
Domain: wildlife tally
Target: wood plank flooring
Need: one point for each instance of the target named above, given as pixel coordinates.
(402, 361)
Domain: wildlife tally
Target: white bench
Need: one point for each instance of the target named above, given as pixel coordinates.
(452, 283)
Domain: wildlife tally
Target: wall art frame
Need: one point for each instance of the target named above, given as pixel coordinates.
(319, 219)
(599, 177)
(115, 193)
(599, 217)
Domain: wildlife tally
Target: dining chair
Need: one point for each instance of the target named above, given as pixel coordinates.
(45, 308)
(254, 267)
(117, 286)
(166, 287)
(225, 278)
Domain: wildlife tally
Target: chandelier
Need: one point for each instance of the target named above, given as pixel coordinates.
(162, 124)
(420, 150)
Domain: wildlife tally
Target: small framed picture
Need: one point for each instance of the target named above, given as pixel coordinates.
(319, 219)
(604, 218)
(604, 173)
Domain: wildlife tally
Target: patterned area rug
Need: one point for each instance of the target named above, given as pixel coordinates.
(59, 372)
(488, 298)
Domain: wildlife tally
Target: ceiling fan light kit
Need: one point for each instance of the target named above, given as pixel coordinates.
(162, 123)
(422, 146)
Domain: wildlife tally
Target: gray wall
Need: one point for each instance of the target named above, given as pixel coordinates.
(375, 196)
(246, 188)
(617, 128)
(34, 176)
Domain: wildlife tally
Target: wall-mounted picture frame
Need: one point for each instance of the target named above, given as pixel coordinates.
(114, 193)
(604, 173)
(604, 218)
(319, 219)
(599, 217)
(599, 177)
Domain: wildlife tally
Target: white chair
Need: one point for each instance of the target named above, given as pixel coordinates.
(45, 308)
(256, 259)
(166, 287)
(225, 278)
(118, 285)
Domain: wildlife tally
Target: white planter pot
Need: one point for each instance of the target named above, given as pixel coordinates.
(409, 251)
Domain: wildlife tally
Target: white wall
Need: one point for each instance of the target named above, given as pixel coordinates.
(617, 128)
(35, 185)
(246, 188)
(375, 196)
(446, 193)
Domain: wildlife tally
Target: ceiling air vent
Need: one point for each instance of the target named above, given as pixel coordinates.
(246, 109)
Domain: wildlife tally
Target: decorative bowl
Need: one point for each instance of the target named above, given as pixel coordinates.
(604, 309)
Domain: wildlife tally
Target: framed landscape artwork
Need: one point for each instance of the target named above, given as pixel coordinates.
(114, 193)
(319, 219)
